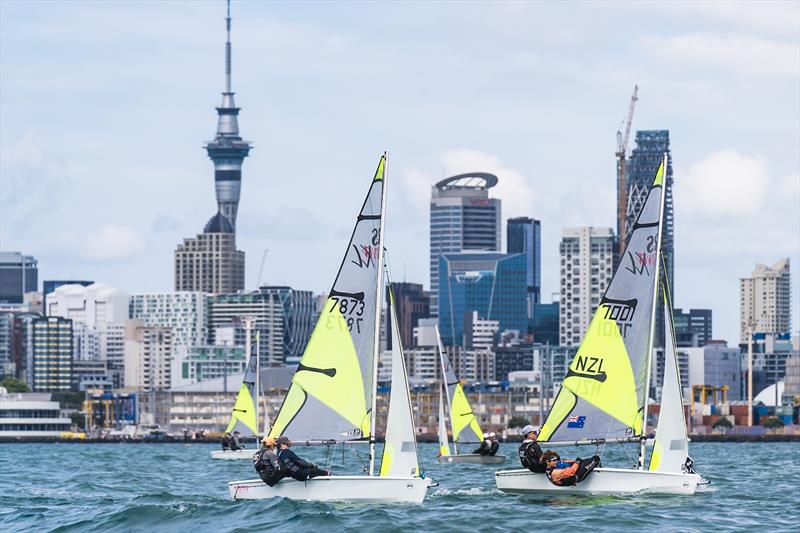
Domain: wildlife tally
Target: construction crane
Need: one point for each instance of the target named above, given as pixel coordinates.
(622, 185)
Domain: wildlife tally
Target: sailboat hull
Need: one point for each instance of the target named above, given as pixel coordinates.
(336, 489)
(599, 481)
(473, 458)
(233, 454)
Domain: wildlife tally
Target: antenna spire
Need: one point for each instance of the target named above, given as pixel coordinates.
(228, 51)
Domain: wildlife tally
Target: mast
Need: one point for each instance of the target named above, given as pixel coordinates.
(444, 385)
(651, 341)
(248, 326)
(378, 309)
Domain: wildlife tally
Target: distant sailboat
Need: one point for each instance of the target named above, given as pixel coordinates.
(463, 422)
(603, 398)
(332, 397)
(244, 415)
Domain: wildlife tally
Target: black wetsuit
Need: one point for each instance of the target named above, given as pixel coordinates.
(530, 455)
(225, 442)
(298, 468)
(585, 466)
(484, 448)
(494, 447)
(268, 467)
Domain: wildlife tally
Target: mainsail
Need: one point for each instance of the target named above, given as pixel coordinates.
(400, 448)
(243, 416)
(670, 450)
(604, 392)
(331, 395)
(462, 419)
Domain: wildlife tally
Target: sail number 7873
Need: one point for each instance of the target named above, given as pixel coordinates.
(351, 310)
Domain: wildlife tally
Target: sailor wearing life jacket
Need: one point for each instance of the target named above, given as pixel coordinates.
(267, 464)
(530, 453)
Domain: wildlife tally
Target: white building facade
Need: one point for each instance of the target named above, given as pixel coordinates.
(587, 262)
(766, 300)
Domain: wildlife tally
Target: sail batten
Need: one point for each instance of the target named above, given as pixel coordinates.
(332, 392)
(603, 394)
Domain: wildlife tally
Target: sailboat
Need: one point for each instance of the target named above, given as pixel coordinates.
(604, 396)
(332, 397)
(463, 422)
(244, 415)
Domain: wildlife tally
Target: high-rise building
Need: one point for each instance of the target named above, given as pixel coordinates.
(230, 310)
(412, 303)
(52, 354)
(7, 366)
(298, 319)
(463, 219)
(493, 284)
(49, 285)
(148, 356)
(545, 323)
(766, 300)
(228, 150)
(210, 261)
(16, 345)
(19, 274)
(692, 328)
(587, 260)
(185, 313)
(524, 236)
(651, 145)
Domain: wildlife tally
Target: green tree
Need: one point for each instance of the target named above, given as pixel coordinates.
(722, 423)
(772, 422)
(517, 422)
(14, 385)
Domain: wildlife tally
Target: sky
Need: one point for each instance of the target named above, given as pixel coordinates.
(104, 107)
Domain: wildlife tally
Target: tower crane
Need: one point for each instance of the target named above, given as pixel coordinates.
(622, 185)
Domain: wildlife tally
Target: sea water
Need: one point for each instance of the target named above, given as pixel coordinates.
(178, 487)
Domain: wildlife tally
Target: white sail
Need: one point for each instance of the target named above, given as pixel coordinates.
(332, 391)
(670, 450)
(444, 446)
(463, 421)
(400, 448)
(244, 418)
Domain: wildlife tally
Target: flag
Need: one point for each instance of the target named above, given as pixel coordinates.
(576, 422)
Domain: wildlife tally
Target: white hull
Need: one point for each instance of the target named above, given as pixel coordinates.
(336, 489)
(473, 458)
(233, 454)
(599, 481)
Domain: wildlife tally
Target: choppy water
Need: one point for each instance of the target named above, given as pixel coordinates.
(176, 487)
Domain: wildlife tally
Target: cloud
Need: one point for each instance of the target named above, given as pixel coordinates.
(726, 183)
(747, 55)
(113, 243)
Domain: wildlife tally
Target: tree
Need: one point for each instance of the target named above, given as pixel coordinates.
(517, 422)
(722, 423)
(14, 385)
(772, 422)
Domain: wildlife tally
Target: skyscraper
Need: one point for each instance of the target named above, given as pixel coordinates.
(651, 145)
(52, 354)
(492, 284)
(766, 300)
(18, 274)
(227, 150)
(298, 319)
(524, 236)
(412, 303)
(463, 219)
(692, 329)
(587, 262)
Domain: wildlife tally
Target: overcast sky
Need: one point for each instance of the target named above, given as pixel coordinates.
(104, 107)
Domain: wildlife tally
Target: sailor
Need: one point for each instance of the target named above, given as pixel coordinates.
(267, 464)
(494, 445)
(530, 453)
(293, 465)
(234, 442)
(566, 473)
(226, 441)
(484, 447)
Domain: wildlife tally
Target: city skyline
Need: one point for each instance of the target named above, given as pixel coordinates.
(545, 126)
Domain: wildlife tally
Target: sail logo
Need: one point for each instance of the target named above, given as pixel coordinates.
(366, 255)
(639, 262)
(621, 312)
(588, 367)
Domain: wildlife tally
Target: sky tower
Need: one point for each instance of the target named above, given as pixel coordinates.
(227, 150)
